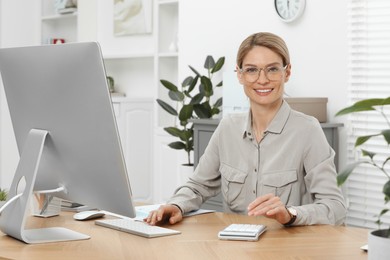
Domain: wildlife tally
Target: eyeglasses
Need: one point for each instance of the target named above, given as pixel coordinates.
(272, 73)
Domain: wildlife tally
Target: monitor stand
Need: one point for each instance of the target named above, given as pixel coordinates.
(13, 217)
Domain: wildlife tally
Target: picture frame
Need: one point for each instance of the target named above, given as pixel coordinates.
(132, 17)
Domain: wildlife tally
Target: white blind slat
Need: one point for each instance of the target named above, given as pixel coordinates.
(369, 77)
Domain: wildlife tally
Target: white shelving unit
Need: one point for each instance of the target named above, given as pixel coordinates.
(54, 25)
(167, 56)
(137, 69)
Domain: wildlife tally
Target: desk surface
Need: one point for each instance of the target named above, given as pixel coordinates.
(197, 241)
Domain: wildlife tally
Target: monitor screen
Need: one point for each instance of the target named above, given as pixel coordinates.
(62, 89)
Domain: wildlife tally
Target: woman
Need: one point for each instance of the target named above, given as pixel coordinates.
(272, 161)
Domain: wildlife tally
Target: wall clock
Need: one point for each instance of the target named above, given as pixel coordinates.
(289, 10)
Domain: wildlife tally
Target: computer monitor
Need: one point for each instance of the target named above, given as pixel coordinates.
(66, 134)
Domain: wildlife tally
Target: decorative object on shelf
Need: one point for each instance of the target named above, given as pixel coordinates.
(174, 46)
(111, 84)
(3, 197)
(3, 194)
(132, 17)
(65, 6)
(191, 105)
(375, 251)
(57, 41)
(111, 87)
(289, 10)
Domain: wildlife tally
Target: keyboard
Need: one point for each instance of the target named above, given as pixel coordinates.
(247, 232)
(134, 227)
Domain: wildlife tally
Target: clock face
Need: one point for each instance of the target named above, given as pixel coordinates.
(289, 10)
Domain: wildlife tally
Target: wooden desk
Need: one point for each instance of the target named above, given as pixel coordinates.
(197, 241)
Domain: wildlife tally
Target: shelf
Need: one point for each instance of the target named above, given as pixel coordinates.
(59, 16)
(127, 56)
(168, 55)
(168, 2)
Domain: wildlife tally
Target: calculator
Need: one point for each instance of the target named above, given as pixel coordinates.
(243, 232)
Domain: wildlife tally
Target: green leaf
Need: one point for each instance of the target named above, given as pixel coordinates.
(193, 83)
(343, 176)
(207, 86)
(386, 135)
(197, 99)
(190, 146)
(218, 65)
(186, 135)
(3, 194)
(209, 62)
(386, 190)
(364, 105)
(215, 111)
(220, 84)
(176, 95)
(169, 85)
(368, 153)
(167, 107)
(203, 110)
(177, 145)
(362, 139)
(386, 101)
(187, 94)
(174, 131)
(218, 103)
(186, 113)
(187, 81)
(383, 211)
(195, 71)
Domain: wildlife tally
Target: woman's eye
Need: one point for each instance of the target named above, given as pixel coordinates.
(273, 69)
(251, 70)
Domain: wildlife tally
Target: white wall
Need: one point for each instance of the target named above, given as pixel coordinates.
(317, 44)
(18, 27)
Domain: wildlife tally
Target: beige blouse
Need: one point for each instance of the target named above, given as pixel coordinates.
(293, 161)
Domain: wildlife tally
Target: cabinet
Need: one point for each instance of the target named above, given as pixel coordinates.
(204, 129)
(135, 123)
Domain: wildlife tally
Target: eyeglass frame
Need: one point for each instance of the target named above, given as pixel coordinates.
(241, 70)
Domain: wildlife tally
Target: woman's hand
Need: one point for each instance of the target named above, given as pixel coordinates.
(269, 206)
(170, 213)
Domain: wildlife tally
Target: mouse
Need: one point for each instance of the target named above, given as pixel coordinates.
(88, 214)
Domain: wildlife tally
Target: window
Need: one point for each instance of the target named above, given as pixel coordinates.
(369, 77)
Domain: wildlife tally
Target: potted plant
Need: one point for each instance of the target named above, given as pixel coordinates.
(378, 240)
(192, 104)
(3, 196)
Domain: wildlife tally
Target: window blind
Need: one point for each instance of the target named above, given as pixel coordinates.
(369, 77)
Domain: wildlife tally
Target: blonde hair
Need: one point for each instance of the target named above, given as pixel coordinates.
(266, 39)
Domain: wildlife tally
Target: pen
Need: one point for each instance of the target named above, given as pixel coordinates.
(48, 199)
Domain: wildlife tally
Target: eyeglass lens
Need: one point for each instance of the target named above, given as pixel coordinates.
(272, 73)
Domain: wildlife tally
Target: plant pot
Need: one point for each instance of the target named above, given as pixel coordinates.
(185, 173)
(379, 245)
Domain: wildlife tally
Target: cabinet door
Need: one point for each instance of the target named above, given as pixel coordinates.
(135, 123)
